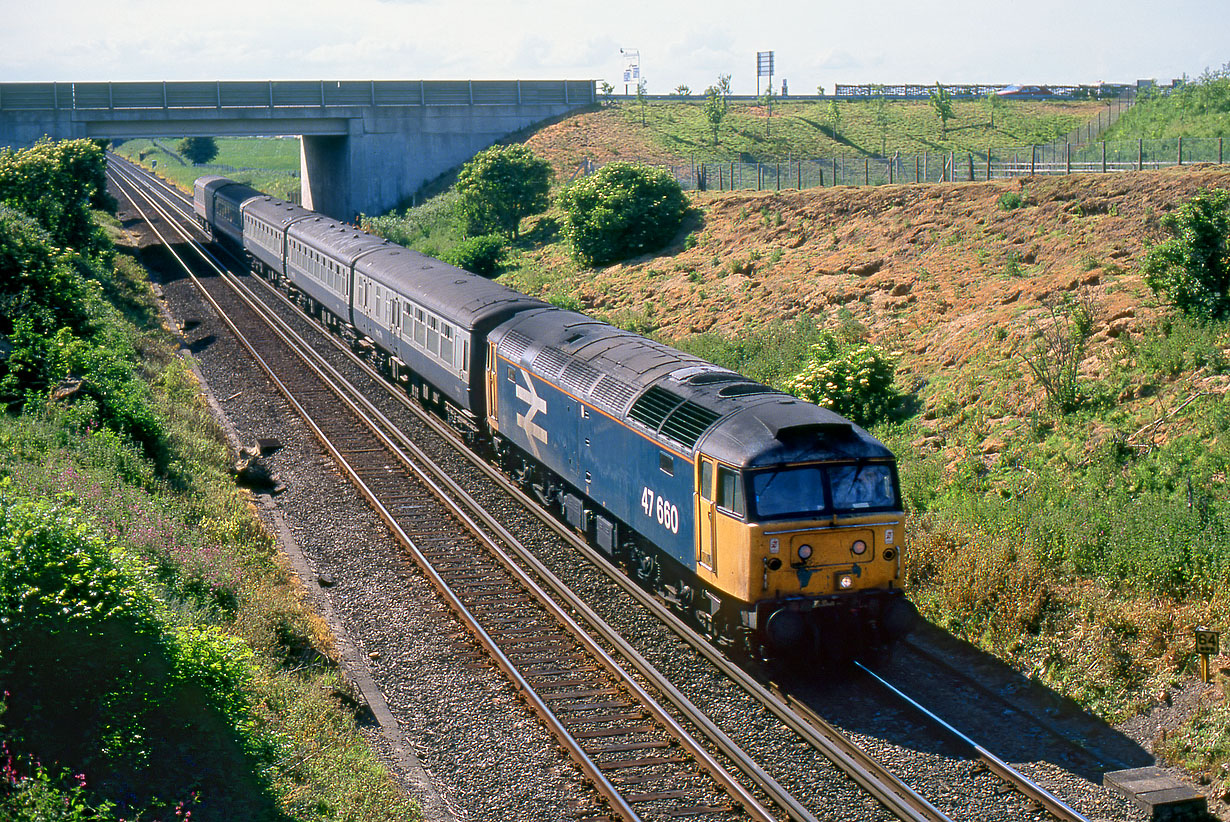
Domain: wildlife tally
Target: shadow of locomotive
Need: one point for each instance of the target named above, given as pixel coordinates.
(1012, 716)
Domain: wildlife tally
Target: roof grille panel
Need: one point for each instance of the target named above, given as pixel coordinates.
(580, 377)
(515, 345)
(615, 393)
(550, 362)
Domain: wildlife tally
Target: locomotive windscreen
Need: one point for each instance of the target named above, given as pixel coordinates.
(799, 491)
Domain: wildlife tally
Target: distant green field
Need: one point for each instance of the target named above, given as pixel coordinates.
(270, 164)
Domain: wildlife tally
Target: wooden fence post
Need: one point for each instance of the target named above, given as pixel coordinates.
(1180, 151)
(866, 171)
(1219, 139)
(1103, 156)
(1140, 155)
(988, 165)
(1033, 159)
(1067, 157)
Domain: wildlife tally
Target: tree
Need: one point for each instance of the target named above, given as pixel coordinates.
(499, 186)
(819, 91)
(197, 150)
(941, 101)
(834, 116)
(620, 210)
(640, 98)
(765, 101)
(723, 86)
(1193, 266)
(715, 110)
(993, 102)
(880, 115)
(606, 89)
(683, 90)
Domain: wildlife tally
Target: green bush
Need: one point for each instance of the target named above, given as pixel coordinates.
(500, 186)
(1192, 267)
(57, 183)
(621, 210)
(1011, 200)
(480, 255)
(854, 380)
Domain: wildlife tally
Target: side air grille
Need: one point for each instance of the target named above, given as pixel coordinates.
(653, 406)
(672, 416)
(687, 423)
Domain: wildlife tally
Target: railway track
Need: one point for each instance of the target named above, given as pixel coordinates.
(635, 754)
(627, 744)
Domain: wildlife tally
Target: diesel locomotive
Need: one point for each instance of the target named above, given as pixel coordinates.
(774, 525)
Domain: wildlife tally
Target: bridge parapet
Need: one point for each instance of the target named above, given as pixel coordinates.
(222, 94)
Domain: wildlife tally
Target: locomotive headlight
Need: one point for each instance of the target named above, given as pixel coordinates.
(845, 582)
(858, 547)
(804, 552)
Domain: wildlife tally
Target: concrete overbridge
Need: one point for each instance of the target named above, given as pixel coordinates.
(367, 145)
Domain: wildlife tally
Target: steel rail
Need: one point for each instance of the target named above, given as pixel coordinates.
(734, 788)
(898, 797)
(1023, 784)
(591, 769)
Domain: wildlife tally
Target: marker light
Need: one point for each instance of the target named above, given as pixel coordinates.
(804, 552)
(845, 582)
(858, 547)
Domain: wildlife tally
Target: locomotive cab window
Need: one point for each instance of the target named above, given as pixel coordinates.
(666, 463)
(863, 486)
(794, 491)
(730, 490)
(706, 480)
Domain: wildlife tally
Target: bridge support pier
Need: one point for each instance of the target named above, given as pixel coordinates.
(388, 156)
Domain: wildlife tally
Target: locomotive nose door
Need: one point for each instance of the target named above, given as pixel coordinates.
(706, 514)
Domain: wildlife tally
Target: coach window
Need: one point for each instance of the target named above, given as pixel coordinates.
(420, 330)
(730, 490)
(446, 343)
(433, 336)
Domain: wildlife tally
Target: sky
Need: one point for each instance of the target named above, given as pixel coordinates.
(680, 42)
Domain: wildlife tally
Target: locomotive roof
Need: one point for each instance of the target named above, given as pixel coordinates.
(340, 241)
(451, 292)
(682, 398)
(274, 211)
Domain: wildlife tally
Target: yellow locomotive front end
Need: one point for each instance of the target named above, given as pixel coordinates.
(806, 537)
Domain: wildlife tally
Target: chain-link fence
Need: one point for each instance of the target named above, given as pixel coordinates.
(934, 167)
(1075, 153)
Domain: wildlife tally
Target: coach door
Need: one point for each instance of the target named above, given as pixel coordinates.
(706, 515)
(493, 387)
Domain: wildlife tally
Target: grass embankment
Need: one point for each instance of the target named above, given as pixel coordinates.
(268, 164)
(862, 128)
(156, 657)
